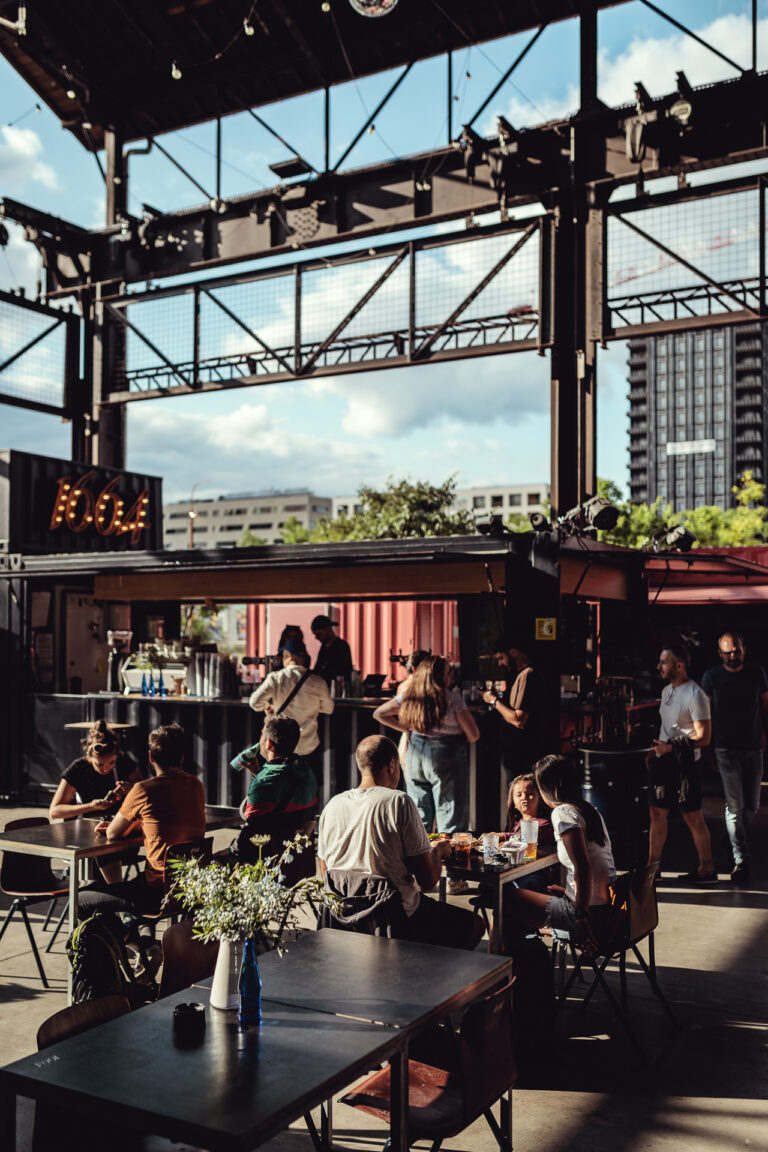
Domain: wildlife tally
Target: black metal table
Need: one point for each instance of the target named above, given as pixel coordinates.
(233, 1092)
(76, 840)
(494, 877)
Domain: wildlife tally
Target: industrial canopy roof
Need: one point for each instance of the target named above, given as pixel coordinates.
(108, 64)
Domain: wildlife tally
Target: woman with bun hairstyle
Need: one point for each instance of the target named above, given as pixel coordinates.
(95, 785)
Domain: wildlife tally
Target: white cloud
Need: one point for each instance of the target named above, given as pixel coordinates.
(243, 450)
(512, 387)
(656, 60)
(20, 163)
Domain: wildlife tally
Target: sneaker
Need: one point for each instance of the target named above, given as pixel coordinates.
(740, 874)
(698, 877)
(457, 887)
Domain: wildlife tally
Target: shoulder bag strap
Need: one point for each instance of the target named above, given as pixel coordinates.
(297, 686)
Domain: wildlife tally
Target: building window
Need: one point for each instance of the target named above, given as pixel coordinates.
(235, 511)
(718, 340)
(515, 499)
(719, 413)
(497, 501)
(478, 501)
(534, 498)
(262, 526)
(699, 416)
(680, 400)
(661, 402)
(295, 508)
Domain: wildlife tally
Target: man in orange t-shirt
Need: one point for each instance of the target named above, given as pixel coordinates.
(167, 809)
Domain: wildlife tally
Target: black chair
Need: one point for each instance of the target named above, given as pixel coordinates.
(635, 916)
(29, 880)
(444, 1101)
(185, 959)
(366, 903)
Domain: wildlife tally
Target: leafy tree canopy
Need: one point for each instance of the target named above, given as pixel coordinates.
(744, 524)
(250, 540)
(400, 509)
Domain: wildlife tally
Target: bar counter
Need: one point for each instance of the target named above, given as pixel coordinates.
(216, 731)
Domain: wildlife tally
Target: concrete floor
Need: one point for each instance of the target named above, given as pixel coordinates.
(706, 1090)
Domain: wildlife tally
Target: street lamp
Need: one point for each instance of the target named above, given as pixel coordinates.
(192, 514)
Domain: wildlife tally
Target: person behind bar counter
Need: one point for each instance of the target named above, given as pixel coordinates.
(334, 658)
(95, 785)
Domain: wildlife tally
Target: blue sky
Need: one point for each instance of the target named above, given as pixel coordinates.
(485, 419)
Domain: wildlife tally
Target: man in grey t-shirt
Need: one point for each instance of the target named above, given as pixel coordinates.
(375, 829)
(673, 762)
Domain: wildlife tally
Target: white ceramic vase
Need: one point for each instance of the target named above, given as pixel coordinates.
(226, 977)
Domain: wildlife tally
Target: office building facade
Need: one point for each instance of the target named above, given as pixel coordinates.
(221, 522)
(489, 500)
(698, 416)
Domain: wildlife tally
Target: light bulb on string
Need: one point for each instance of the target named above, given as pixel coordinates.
(248, 28)
(175, 71)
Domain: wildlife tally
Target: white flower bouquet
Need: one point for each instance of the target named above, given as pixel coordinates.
(246, 900)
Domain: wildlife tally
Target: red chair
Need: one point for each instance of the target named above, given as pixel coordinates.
(443, 1102)
(29, 880)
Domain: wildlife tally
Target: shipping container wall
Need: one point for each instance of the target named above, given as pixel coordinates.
(372, 629)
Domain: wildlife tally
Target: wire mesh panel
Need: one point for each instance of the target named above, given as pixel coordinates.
(677, 261)
(248, 325)
(475, 294)
(491, 282)
(33, 356)
(159, 340)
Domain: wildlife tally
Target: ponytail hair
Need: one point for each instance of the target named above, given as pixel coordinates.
(558, 781)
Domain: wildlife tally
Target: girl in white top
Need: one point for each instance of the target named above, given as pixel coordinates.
(584, 850)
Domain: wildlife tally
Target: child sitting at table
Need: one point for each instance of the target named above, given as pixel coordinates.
(582, 907)
(524, 803)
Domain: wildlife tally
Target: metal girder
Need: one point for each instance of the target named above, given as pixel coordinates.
(207, 369)
(63, 375)
(615, 146)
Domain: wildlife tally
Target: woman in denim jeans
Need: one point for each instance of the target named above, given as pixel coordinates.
(439, 726)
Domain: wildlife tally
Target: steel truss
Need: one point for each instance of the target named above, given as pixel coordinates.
(569, 168)
(39, 368)
(458, 333)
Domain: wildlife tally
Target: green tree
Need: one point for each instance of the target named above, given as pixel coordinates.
(250, 540)
(639, 524)
(292, 532)
(400, 509)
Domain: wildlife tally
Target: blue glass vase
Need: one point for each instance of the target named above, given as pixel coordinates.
(161, 690)
(249, 1008)
(144, 688)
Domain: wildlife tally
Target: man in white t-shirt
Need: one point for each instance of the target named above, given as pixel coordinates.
(375, 829)
(674, 762)
(301, 695)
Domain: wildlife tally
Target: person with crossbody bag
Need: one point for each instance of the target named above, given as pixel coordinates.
(302, 695)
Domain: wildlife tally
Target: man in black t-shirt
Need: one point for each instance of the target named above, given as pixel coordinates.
(334, 658)
(739, 694)
(522, 709)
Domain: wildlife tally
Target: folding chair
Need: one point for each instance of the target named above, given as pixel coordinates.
(635, 917)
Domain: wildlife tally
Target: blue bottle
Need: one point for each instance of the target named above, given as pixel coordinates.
(144, 688)
(151, 684)
(249, 1009)
(161, 689)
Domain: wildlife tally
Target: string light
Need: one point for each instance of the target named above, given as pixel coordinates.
(248, 28)
(325, 7)
(175, 71)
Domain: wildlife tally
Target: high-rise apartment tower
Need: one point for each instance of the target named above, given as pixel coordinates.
(698, 414)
